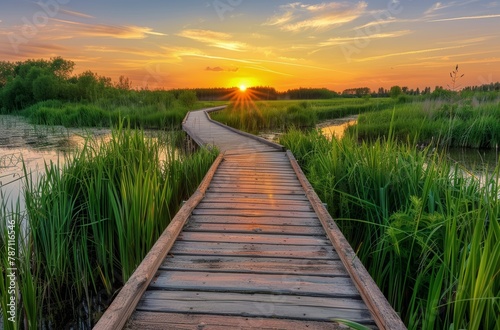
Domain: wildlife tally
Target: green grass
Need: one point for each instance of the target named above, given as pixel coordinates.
(150, 114)
(282, 115)
(428, 234)
(467, 123)
(92, 220)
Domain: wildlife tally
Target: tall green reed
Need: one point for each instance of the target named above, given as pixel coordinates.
(427, 233)
(91, 221)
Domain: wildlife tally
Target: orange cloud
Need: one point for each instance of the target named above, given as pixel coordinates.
(111, 31)
(214, 39)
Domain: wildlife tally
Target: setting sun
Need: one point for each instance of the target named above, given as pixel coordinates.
(243, 88)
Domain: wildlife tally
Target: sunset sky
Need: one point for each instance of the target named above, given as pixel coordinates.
(284, 44)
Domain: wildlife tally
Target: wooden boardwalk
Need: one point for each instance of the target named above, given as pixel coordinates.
(254, 248)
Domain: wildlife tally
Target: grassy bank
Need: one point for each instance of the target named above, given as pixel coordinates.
(281, 115)
(161, 112)
(428, 234)
(90, 223)
(466, 122)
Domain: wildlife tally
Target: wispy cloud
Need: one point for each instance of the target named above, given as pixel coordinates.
(297, 16)
(214, 39)
(102, 30)
(410, 52)
(75, 13)
(465, 18)
(439, 6)
(219, 69)
(345, 40)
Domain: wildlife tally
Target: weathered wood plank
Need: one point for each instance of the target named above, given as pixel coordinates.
(255, 181)
(256, 213)
(161, 321)
(222, 195)
(276, 306)
(284, 266)
(287, 188)
(304, 285)
(253, 238)
(253, 250)
(253, 206)
(258, 229)
(218, 219)
(266, 172)
(265, 201)
(277, 191)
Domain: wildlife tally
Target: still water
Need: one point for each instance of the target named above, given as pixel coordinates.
(473, 161)
(35, 145)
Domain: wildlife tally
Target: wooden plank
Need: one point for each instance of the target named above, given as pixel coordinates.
(276, 306)
(257, 170)
(383, 313)
(249, 229)
(284, 266)
(161, 321)
(214, 195)
(257, 166)
(256, 181)
(253, 250)
(303, 285)
(259, 186)
(124, 304)
(272, 201)
(258, 191)
(218, 219)
(253, 238)
(253, 206)
(256, 213)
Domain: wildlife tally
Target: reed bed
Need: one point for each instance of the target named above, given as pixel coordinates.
(253, 116)
(91, 221)
(428, 233)
(469, 123)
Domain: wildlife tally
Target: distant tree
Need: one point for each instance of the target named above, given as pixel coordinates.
(6, 72)
(45, 87)
(395, 91)
(124, 83)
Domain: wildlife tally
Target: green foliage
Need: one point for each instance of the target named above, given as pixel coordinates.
(282, 115)
(470, 123)
(427, 233)
(188, 99)
(395, 92)
(92, 221)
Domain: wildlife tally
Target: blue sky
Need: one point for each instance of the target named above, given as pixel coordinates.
(285, 44)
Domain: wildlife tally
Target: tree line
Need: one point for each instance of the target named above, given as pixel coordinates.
(25, 83)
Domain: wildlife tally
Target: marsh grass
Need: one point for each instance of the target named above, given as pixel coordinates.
(91, 221)
(468, 123)
(283, 115)
(428, 233)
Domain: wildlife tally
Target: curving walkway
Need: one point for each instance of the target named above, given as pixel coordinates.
(254, 249)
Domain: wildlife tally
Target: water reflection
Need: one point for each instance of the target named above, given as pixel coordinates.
(337, 127)
(35, 145)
